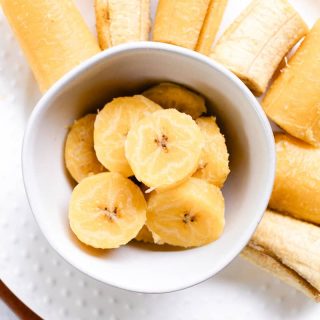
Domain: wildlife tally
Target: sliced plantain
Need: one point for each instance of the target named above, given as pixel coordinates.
(179, 22)
(144, 235)
(106, 210)
(211, 25)
(189, 215)
(170, 95)
(293, 100)
(256, 42)
(121, 21)
(164, 148)
(80, 158)
(111, 127)
(214, 161)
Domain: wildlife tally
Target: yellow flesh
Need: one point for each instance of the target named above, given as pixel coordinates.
(179, 21)
(80, 158)
(169, 95)
(111, 127)
(121, 21)
(53, 36)
(214, 163)
(164, 148)
(92, 206)
(296, 189)
(293, 101)
(211, 25)
(103, 23)
(190, 215)
(144, 235)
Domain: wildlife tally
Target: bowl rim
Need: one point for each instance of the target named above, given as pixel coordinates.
(44, 104)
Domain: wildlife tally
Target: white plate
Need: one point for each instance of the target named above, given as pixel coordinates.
(54, 289)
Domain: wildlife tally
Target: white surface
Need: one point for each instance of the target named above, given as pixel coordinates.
(5, 312)
(249, 139)
(55, 290)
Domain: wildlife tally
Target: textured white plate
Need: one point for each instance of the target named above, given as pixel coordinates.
(54, 289)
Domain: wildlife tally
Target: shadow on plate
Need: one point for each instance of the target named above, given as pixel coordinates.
(276, 296)
(154, 247)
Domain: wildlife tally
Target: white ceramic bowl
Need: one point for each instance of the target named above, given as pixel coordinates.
(124, 70)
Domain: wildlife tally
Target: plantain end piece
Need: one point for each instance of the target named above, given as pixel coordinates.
(51, 33)
(179, 22)
(121, 21)
(277, 269)
(293, 101)
(256, 42)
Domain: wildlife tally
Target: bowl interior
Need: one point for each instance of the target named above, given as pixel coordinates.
(126, 70)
